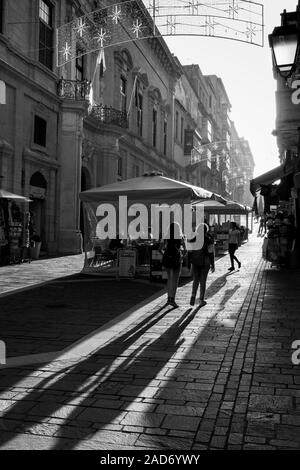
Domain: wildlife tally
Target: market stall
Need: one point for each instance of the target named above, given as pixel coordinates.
(103, 256)
(219, 217)
(14, 228)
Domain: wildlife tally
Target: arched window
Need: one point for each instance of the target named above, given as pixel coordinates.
(120, 168)
(154, 126)
(141, 83)
(165, 136)
(124, 65)
(123, 93)
(38, 180)
(155, 97)
(127, 60)
(38, 186)
(139, 107)
(46, 33)
(85, 179)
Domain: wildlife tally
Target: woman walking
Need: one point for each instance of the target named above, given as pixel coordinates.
(173, 252)
(262, 226)
(233, 244)
(202, 260)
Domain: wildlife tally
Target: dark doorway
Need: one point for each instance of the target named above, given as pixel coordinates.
(85, 185)
(38, 192)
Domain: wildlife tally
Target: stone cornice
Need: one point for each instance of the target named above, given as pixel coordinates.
(41, 159)
(14, 50)
(165, 57)
(155, 94)
(72, 105)
(31, 83)
(5, 147)
(94, 125)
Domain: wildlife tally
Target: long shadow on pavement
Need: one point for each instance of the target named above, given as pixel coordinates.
(49, 318)
(73, 379)
(217, 285)
(97, 375)
(169, 338)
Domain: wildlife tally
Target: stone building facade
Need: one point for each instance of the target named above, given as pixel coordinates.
(242, 169)
(202, 172)
(30, 117)
(56, 138)
(82, 125)
(219, 108)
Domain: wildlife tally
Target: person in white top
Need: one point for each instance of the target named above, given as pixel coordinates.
(233, 244)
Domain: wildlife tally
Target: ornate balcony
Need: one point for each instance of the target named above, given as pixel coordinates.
(74, 89)
(109, 115)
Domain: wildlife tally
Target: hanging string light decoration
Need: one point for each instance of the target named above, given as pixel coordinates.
(211, 150)
(134, 20)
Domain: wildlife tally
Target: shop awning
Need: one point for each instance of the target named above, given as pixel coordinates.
(209, 205)
(270, 177)
(7, 195)
(220, 199)
(231, 207)
(150, 188)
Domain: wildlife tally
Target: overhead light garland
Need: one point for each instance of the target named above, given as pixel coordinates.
(216, 149)
(239, 20)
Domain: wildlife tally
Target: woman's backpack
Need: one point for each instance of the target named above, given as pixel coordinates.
(198, 257)
(172, 256)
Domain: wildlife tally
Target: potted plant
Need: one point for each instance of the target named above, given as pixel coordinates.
(35, 246)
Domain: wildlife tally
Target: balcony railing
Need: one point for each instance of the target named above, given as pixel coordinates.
(74, 89)
(109, 115)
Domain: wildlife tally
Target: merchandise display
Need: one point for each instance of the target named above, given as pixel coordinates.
(279, 243)
(14, 231)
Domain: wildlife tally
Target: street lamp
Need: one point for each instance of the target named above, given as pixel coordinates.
(285, 46)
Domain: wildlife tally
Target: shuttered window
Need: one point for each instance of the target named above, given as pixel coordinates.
(46, 34)
(40, 131)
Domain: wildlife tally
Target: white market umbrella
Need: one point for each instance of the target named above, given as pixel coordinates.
(154, 189)
(209, 204)
(7, 195)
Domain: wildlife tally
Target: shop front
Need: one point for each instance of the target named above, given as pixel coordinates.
(14, 228)
(276, 188)
(279, 187)
(37, 192)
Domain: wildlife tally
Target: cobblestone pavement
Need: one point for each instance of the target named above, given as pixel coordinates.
(219, 377)
(22, 276)
(51, 317)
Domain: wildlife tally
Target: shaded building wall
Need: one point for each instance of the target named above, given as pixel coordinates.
(26, 149)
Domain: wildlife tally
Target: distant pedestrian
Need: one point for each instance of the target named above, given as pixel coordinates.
(202, 260)
(262, 226)
(234, 241)
(173, 249)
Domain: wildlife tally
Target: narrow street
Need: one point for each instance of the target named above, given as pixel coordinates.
(151, 377)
